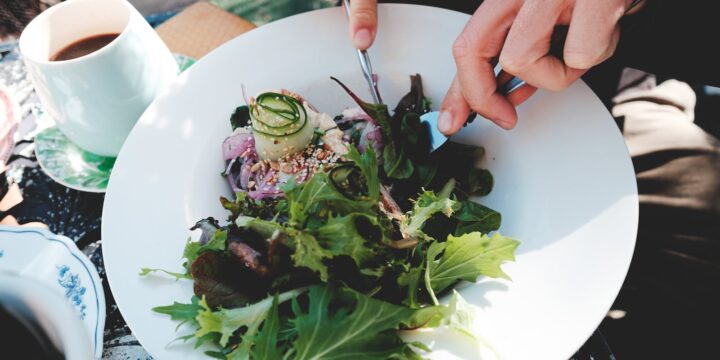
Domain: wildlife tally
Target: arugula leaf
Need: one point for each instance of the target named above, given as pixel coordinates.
(467, 257)
(367, 162)
(179, 311)
(475, 217)
(267, 338)
(426, 205)
(177, 276)
(362, 327)
(308, 253)
(226, 322)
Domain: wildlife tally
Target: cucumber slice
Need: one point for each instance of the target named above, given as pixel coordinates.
(280, 124)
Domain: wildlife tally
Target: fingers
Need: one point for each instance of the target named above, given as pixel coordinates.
(519, 95)
(453, 110)
(593, 32)
(526, 51)
(480, 41)
(363, 23)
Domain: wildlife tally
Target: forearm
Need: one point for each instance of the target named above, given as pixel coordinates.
(673, 38)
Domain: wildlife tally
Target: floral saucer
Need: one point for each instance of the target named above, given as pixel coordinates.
(70, 165)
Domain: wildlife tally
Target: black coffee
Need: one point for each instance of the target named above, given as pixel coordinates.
(83, 47)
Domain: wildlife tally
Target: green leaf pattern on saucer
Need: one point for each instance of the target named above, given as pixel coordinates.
(70, 165)
(74, 167)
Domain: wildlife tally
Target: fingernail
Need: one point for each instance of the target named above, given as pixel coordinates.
(505, 124)
(362, 39)
(445, 122)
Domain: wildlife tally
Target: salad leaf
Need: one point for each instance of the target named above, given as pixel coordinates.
(247, 206)
(221, 281)
(176, 275)
(367, 162)
(411, 280)
(227, 321)
(474, 217)
(468, 256)
(208, 227)
(426, 205)
(378, 112)
(267, 338)
(181, 312)
(362, 327)
(480, 182)
(346, 235)
(319, 195)
(264, 228)
(240, 117)
(414, 101)
(193, 249)
(396, 164)
(461, 316)
(308, 253)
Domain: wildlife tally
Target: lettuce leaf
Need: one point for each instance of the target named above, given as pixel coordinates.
(309, 254)
(426, 205)
(468, 256)
(226, 322)
(350, 235)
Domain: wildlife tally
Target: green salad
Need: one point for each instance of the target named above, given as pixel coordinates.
(342, 232)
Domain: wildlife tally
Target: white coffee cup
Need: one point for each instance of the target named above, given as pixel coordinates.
(96, 99)
(35, 304)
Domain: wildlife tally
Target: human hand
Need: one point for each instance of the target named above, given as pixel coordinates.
(518, 33)
(363, 23)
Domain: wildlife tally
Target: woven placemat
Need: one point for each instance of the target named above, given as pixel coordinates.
(200, 28)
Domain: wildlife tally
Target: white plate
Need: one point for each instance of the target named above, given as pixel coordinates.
(564, 181)
(57, 263)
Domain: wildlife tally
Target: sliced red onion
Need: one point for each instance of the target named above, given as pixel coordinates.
(371, 134)
(263, 190)
(236, 144)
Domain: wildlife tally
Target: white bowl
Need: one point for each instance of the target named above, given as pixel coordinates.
(54, 261)
(564, 180)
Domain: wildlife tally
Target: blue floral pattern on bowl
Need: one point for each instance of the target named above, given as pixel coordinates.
(56, 261)
(74, 291)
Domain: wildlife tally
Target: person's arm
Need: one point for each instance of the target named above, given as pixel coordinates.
(661, 38)
(673, 38)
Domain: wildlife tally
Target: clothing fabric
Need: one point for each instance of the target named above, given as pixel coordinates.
(667, 307)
